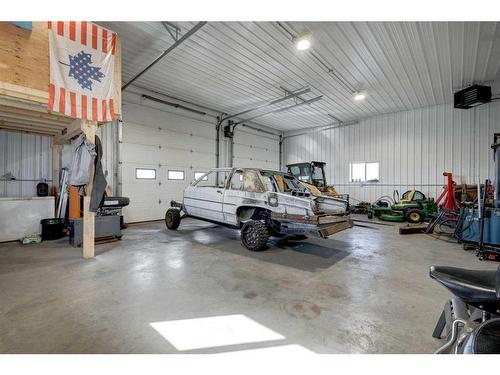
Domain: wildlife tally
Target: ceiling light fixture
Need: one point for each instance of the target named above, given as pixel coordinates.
(359, 95)
(302, 43)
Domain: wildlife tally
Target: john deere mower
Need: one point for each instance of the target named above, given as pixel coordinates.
(413, 207)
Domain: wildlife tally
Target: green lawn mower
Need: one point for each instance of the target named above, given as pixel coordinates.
(413, 207)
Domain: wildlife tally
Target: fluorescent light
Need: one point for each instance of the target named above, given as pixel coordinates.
(359, 95)
(302, 43)
(200, 333)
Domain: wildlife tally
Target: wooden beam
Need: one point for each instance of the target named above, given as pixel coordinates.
(36, 114)
(27, 128)
(56, 167)
(23, 92)
(6, 101)
(89, 128)
(15, 128)
(71, 131)
(35, 123)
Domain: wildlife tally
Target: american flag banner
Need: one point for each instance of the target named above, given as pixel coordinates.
(82, 65)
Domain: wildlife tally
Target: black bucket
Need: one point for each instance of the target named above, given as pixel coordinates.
(53, 229)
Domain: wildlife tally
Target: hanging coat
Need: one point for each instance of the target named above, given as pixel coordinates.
(100, 182)
(81, 164)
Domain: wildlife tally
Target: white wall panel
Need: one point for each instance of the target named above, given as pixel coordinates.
(255, 149)
(158, 137)
(28, 157)
(413, 148)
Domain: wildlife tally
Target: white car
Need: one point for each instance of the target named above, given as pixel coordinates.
(262, 203)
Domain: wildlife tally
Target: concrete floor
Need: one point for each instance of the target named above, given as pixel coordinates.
(365, 290)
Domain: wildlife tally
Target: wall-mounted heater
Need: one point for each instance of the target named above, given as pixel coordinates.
(472, 96)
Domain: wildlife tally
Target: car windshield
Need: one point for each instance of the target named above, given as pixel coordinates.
(317, 176)
(284, 183)
(302, 172)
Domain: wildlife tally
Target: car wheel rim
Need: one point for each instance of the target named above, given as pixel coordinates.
(169, 219)
(250, 235)
(415, 216)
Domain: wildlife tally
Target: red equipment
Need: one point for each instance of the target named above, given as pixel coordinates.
(448, 193)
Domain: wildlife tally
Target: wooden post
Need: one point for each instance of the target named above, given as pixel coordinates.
(56, 167)
(89, 128)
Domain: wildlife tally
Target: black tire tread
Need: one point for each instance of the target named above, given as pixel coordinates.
(176, 218)
(263, 235)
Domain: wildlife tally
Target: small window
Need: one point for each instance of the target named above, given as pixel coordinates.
(176, 175)
(364, 172)
(145, 174)
(198, 175)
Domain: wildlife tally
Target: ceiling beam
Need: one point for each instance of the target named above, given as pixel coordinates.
(294, 94)
(281, 109)
(181, 40)
(168, 26)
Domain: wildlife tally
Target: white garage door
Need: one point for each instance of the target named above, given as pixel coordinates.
(155, 142)
(255, 149)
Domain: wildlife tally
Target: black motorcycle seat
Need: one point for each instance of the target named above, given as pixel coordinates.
(472, 286)
(115, 202)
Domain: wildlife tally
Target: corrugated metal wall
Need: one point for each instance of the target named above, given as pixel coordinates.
(254, 149)
(28, 157)
(413, 148)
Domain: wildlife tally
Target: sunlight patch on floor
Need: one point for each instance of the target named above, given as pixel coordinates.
(214, 331)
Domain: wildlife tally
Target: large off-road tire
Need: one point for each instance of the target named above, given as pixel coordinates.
(173, 218)
(414, 215)
(254, 235)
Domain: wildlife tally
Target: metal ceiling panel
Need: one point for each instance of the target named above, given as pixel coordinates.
(232, 66)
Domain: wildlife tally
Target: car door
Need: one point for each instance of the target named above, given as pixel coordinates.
(204, 198)
(232, 197)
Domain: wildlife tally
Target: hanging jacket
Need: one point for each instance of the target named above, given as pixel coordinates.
(100, 183)
(81, 164)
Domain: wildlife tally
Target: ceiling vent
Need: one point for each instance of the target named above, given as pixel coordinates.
(472, 97)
